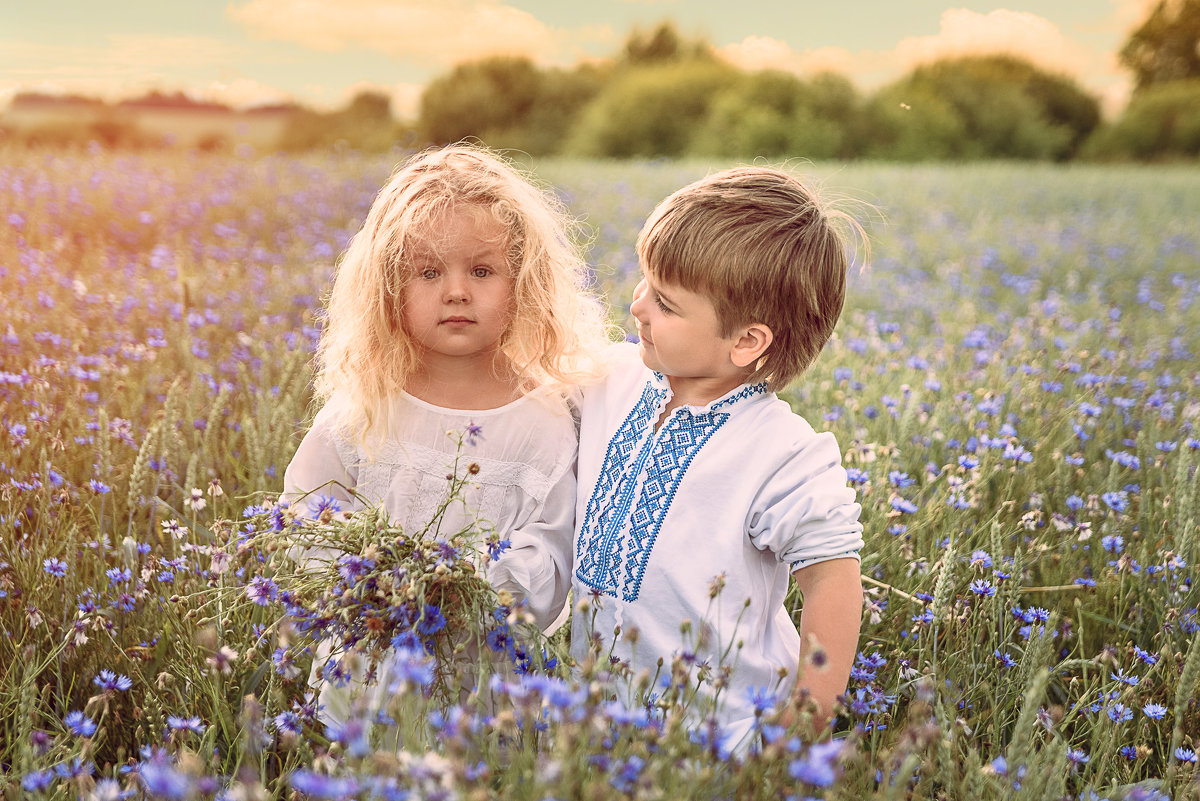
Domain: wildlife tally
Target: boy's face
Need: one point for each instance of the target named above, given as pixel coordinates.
(680, 336)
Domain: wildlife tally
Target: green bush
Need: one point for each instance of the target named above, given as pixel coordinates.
(1162, 122)
(650, 111)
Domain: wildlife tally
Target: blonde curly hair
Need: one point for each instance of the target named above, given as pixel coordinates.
(558, 328)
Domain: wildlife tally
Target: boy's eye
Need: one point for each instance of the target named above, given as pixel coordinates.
(661, 305)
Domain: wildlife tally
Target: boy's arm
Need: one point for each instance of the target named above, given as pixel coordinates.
(830, 621)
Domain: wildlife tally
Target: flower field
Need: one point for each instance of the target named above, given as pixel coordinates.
(1015, 384)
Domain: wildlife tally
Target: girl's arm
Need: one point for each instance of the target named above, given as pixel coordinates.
(536, 568)
(829, 623)
(317, 470)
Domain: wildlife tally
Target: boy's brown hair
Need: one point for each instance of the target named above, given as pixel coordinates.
(762, 248)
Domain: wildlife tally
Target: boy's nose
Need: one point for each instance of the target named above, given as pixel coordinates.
(639, 295)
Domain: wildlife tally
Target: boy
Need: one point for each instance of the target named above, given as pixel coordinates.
(699, 490)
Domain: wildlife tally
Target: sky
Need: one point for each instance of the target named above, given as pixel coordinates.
(321, 53)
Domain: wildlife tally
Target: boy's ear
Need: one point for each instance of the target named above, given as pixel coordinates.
(750, 344)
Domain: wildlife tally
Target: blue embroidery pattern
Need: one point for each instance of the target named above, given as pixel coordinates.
(591, 558)
(609, 558)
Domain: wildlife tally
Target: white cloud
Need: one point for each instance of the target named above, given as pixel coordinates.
(965, 32)
(428, 32)
(961, 32)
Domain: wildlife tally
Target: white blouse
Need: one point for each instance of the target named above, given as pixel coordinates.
(525, 487)
(737, 493)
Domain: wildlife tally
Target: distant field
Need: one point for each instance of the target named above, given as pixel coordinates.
(1015, 384)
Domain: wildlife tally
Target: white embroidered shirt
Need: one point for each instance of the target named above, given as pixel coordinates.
(741, 489)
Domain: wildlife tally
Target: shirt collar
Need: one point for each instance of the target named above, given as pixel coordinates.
(739, 393)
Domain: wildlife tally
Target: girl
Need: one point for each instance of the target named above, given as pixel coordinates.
(459, 306)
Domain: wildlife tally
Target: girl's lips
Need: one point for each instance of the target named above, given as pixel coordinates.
(457, 321)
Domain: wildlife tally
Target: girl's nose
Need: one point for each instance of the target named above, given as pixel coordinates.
(456, 290)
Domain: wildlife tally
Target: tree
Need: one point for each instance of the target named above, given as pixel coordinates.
(1161, 122)
(981, 107)
(650, 111)
(1166, 47)
(662, 45)
(507, 102)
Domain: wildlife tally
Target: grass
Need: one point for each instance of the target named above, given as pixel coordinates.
(1014, 385)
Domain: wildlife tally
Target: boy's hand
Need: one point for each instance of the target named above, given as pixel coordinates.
(829, 626)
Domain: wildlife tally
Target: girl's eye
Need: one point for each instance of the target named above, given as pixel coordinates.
(481, 272)
(429, 273)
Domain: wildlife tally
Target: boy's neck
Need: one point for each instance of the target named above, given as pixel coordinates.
(698, 391)
(465, 383)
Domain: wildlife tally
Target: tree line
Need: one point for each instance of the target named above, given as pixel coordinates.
(666, 95)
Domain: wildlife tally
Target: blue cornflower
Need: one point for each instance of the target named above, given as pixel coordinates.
(1155, 711)
(193, 724)
(262, 590)
(817, 768)
(287, 722)
(1085, 582)
(1074, 461)
(1185, 755)
(1074, 503)
(324, 503)
(899, 479)
(1117, 501)
(1119, 713)
(111, 682)
(118, 575)
(762, 699)
(624, 779)
(857, 476)
(474, 433)
(1129, 752)
(968, 462)
(497, 547)
(1004, 659)
(1125, 678)
(903, 505)
(1146, 656)
(982, 588)
(1114, 543)
(164, 781)
(99, 487)
(925, 617)
(352, 567)
(981, 559)
(55, 567)
(37, 781)
(79, 724)
(432, 621)
(1077, 756)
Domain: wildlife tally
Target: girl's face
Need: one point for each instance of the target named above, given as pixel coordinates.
(458, 302)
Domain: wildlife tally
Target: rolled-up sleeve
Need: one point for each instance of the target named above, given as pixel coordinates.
(805, 511)
(536, 567)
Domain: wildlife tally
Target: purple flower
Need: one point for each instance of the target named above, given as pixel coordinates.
(983, 588)
(432, 621)
(111, 682)
(1155, 711)
(474, 433)
(262, 590)
(175, 723)
(1185, 755)
(55, 567)
(79, 724)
